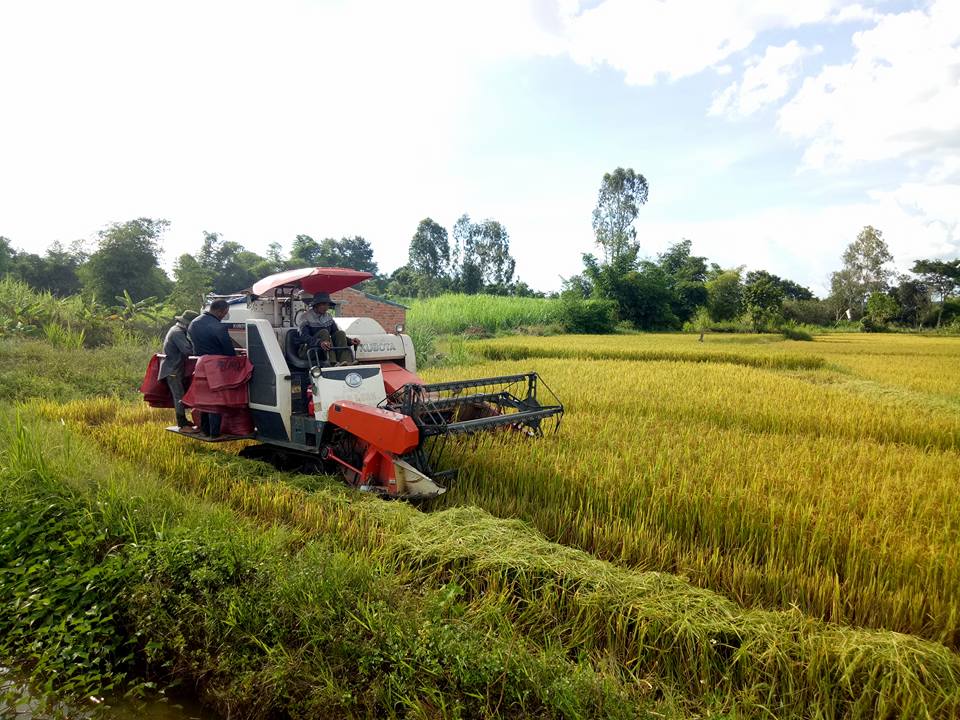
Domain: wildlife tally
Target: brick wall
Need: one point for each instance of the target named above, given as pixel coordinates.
(353, 303)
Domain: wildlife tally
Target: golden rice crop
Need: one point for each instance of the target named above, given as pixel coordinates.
(831, 489)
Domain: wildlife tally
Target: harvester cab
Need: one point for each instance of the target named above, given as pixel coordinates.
(376, 422)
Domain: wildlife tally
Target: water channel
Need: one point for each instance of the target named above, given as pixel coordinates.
(174, 707)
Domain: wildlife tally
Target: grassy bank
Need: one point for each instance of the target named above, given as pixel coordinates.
(120, 580)
(37, 369)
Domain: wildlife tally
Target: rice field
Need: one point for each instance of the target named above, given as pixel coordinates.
(747, 526)
(818, 475)
(663, 639)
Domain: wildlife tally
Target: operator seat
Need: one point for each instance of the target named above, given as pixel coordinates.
(290, 351)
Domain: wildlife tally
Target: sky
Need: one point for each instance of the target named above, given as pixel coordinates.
(770, 132)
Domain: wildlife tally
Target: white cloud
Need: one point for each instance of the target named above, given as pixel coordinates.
(899, 96)
(764, 81)
(647, 39)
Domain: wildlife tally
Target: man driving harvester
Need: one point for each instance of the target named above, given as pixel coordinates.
(318, 329)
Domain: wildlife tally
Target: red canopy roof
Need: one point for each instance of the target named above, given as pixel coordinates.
(313, 280)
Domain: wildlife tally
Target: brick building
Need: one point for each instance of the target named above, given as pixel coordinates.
(356, 303)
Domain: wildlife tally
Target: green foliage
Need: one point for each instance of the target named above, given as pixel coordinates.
(913, 297)
(621, 194)
(792, 331)
(354, 252)
(429, 253)
(56, 271)
(809, 312)
(588, 317)
(941, 275)
(763, 298)
(424, 343)
(458, 313)
(63, 338)
(881, 308)
(127, 259)
(641, 290)
(480, 255)
(865, 270)
(191, 284)
(686, 275)
(725, 296)
(34, 369)
(225, 266)
(60, 598)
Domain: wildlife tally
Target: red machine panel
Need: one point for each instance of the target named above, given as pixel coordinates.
(383, 429)
(395, 377)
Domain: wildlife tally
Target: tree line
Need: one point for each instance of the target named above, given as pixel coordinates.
(669, 291)
(678, 287)
(126, 263)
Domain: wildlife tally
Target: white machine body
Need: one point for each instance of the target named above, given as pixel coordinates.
(360, 383)
(282, 314)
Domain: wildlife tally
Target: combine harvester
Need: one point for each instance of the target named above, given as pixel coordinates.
(376, 422)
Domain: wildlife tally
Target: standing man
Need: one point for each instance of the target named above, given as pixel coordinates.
(318, 329)
(210, 337)
(176, 348)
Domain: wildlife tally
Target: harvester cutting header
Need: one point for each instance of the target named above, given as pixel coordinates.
(352, 401)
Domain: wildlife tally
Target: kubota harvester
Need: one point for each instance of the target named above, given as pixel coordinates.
(376, 422)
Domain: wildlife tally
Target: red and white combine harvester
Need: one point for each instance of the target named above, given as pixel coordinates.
(376, 422)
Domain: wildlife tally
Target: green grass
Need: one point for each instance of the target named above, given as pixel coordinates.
(37, 369)
(490, 313)
(122, 576)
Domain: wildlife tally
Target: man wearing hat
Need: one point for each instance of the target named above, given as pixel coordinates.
(176, 349)
(317, 329)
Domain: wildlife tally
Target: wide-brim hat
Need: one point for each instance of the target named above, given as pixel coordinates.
(187, 316)
(318, 298)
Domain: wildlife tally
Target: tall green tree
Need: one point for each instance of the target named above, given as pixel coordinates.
(943, 276)
(354, 252)
(127, 258)
(622, 192)
(7, 254)
(913, 296)
(686, 275)
(230, 267)
(191, 283)
(306, 252)
(468, 277)
(725, 295)
(480, 256)
(429, 252)
(865, 270)
(492, 248)
(763, 298)
(881, 309)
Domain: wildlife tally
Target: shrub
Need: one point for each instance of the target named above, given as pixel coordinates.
(808, 312)
(588, 317)
(792, 331)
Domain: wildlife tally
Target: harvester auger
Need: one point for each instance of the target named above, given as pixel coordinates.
(376, 422)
